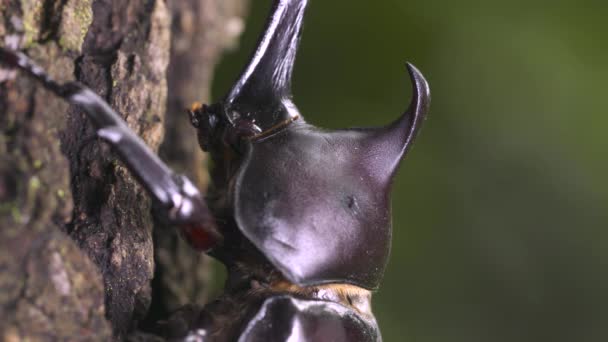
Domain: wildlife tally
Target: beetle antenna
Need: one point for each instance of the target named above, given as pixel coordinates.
(265, 84)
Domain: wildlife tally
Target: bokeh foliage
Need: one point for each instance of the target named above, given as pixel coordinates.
(500, 210)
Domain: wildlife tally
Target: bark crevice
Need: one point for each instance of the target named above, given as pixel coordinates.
(76, 246)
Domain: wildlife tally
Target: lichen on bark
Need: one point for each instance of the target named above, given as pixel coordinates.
(76, 244)
(49, 288)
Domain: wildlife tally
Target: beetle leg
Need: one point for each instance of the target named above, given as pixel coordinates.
(182, 203)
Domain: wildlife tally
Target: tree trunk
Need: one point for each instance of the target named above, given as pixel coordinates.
(76, 242)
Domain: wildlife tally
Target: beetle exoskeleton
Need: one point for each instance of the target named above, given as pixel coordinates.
(300, 215)
(315, 202)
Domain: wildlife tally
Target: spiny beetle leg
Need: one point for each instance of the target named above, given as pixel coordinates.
(181, 202)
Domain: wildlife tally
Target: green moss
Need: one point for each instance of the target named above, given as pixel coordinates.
(37, 164)
(6, 207)
(32, 14)
(149, 116)
(61, 193)
(75, 21)
(64, 42)
(16, 214)
(34, 183)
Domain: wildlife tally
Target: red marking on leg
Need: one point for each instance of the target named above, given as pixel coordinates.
(198, 237)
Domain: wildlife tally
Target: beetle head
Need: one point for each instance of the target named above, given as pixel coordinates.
(314, 202)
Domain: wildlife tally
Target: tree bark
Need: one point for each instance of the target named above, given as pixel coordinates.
(76, 244)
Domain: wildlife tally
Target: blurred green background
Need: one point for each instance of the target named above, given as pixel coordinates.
(500, 209)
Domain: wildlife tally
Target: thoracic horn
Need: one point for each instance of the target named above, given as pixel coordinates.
(263, 92)
(389, 144)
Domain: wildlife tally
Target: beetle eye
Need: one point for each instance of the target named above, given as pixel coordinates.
(206, 120)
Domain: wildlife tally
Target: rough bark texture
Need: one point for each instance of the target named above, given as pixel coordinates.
(76, 244)
(181, 272)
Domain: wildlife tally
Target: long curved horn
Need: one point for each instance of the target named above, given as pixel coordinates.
(263, 92)
(393, 141)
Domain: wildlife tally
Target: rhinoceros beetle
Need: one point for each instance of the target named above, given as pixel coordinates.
(299, 215)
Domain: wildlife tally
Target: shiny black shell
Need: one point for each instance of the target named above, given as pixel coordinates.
(314, 202)
(285, 318)
(316, 205)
